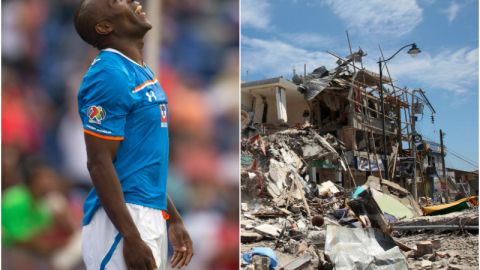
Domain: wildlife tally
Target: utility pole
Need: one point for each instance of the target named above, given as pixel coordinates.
(414, 149)
(383, 122)
(443, 162)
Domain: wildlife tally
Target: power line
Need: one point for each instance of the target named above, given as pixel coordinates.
(457, 155)
(450, 161)
(475, 165)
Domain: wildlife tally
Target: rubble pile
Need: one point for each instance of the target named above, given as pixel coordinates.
(278, 162)
(290, 221)
(281, 207)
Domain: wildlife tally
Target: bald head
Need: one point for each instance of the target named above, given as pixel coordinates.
(87, 16)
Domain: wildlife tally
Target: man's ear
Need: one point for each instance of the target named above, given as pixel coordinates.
(103, 28)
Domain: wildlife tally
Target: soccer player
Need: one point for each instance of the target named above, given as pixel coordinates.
(125, 118)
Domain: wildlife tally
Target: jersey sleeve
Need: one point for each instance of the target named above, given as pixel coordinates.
(104, 103)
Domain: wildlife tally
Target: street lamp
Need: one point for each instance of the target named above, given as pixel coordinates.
(413, 51)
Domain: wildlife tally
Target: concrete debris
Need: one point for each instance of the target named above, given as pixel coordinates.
(249, 237)
(326, 188)
(268, 230)
(457, 250)
(424, 247)
(244, 207)
(436, 243)
(288, 208)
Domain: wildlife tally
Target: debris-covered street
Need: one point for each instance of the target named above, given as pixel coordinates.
(307, 226)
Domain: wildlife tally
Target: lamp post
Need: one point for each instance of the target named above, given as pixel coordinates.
(413, 51)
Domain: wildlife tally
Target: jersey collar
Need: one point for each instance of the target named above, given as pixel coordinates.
(128, 58)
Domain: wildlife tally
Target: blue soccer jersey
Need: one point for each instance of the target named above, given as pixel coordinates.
(122, 100)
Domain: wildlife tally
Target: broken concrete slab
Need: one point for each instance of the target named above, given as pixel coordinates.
(289, 157)
(277, 171)
(247, 223)
(268, 230)
(328, 187)
(274, 191)
(249, 237)
(301, 225)
(312, 150)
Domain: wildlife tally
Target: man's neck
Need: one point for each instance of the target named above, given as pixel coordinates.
(133, 50)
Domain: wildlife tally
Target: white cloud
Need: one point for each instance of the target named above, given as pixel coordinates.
(275, 58)
(395, 18)
(308, 39)
(255, 14)
(452, 71)
(452, 11)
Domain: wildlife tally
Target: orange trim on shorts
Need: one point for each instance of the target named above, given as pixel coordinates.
(112, 138)
(165, 215)
(141, 86)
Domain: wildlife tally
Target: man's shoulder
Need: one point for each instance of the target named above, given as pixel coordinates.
(107, 68)
(105, 74)
(108, 64)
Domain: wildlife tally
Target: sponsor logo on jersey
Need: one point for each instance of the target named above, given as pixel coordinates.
(163, 114)
(96, 114)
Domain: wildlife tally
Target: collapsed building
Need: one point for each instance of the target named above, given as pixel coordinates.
(337, 147)
(344, 102)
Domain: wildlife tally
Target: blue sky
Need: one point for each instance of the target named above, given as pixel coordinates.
(279, 35)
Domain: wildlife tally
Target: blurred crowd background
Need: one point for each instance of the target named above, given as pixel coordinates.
(44, 174)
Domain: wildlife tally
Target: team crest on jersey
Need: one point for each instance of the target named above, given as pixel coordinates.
(163, 118)
(96, 114)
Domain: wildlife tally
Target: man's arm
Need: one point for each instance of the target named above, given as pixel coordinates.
(101, 154)
(181, 242)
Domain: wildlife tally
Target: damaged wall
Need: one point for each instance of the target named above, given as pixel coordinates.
(284, 104)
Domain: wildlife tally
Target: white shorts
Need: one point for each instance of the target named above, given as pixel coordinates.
(102, 244)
